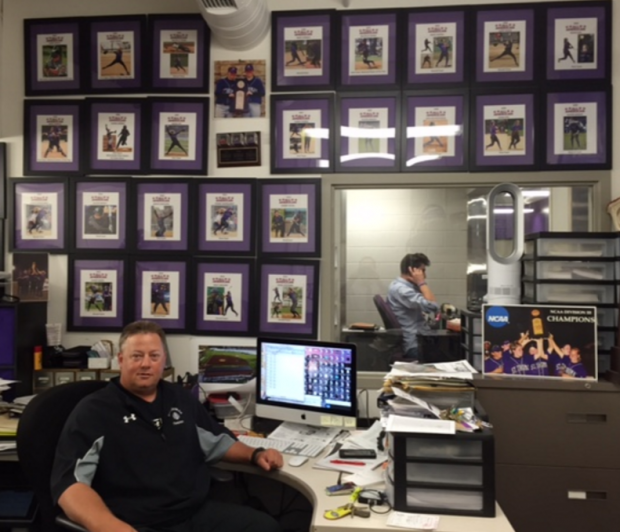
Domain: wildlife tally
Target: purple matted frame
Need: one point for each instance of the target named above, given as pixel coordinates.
(450, 148)
(309, 26)
(93, 195)
(502, 107)
(240, 196)
(501, 21)
(167, 197)
(168, 114)
(433, 25)
(112, 30)
(82, 271)
(363, 25)
(277, 236)
(154, 272)
(236, 276)
(124, 157)
(180, 30)
(368, 108)
(581, 107)
(53, 53)
(290, 114)
(571, 21)
(29, 230)
(63, 119)
(303, 277)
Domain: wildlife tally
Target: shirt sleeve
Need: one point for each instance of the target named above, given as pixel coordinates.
(214, 438)
(409, 297)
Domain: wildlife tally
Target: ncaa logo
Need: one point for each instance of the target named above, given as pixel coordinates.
(497, 317)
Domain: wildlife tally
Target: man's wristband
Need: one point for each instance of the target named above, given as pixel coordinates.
(423, 283)
(255, 454)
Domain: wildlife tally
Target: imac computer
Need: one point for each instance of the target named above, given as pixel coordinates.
(306, 381)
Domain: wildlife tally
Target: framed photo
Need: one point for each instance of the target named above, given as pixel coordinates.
(96, 294)
(38, 214)
(290, 217)
(101, 214)
(2, 180)
(238, 149)
(435, 135)
(240, 88)
(289, 298)
(366, 132)
(303, 126)
(502, 131)
(163, 214)
(579, 41)
(436, 47)
(180, 48)
(505, 47)
(578, 130)
(301, 50)
(115, 143)
(117, 54)
(227, 216)
(53, 50)
(225, 297)
(179, 136)
(161, 293)
(52, 137)
(30, 279)
(369, 54)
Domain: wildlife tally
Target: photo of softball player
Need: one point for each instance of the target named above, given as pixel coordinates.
(54, 142)
(115, 57)
(504, 49)
(576, 133)
(504, 135)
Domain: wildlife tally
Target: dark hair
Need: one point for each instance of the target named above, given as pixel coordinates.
(413, 260)
(142, 327)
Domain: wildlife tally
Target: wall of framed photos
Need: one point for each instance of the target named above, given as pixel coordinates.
(402, 100)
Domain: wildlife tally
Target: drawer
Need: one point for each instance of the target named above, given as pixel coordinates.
(573, 270)
(43, 380)
(442, 449)
(607, 317)
(86, 376)
(429, 473)
(571, 247)
(570, 294)
(107, 375)
(63, 377)
(548, 499)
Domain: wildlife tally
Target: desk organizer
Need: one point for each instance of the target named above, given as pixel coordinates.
(447, 474)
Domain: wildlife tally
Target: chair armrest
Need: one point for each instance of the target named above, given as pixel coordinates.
(65, 522)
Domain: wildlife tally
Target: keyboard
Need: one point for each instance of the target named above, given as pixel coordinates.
(297, 448)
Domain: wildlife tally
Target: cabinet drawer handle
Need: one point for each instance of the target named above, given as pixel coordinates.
(587, 495)
(586, 418)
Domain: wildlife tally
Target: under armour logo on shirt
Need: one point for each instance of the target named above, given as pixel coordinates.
(129, 418)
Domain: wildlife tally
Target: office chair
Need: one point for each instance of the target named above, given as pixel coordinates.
(393, 338)
(37, 435)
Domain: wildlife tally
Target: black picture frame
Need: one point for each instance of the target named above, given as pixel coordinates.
(53, 137)
(54, 51)
(238, 149)
(186, 39)
(316, 31)
(2, 180)
(38, 214)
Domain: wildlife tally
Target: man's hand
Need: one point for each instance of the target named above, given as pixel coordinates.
(418, 275)
(269, 459)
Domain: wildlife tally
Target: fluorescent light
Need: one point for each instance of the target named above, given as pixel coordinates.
(421, 159)
(535, 193)
(357, 156)
(510, 210)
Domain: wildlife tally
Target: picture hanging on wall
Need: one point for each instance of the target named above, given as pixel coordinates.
(53, 138)
(30, 279)
(2, 181)
(161, 293)
(240, 88)
(366, 132)
(116, 58)
(238, 149)
(303, 129)
(505, 45)
(435, 134)
(53, 51)
(369, 51)
(162, 214)
(436, 47)
(290, 217)
(101, 214)
(38, 214)
(226, 216)
(115, 143)
(180, 48)
(289, 298)
(578, 130)
(179, 136)
(96, 295)
(301, 50)
(579, 41)
(225, 299)
(502, 131)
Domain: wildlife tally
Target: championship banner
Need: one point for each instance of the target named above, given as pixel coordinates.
(541, 341)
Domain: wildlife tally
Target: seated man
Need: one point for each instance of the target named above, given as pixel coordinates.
(410, 298)
(134, 456)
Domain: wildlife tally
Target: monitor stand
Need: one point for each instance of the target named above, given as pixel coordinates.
(263, 425)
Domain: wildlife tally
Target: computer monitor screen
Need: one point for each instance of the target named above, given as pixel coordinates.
(306, 381)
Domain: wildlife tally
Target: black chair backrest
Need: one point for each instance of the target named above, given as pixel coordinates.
(390, 321)
(37, 435)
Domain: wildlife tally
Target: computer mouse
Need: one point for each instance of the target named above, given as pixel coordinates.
(296, 461)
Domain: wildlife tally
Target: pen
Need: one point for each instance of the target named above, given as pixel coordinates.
(347, 462)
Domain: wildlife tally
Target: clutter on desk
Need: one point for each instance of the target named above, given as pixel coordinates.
(413, 521)
(362, 326)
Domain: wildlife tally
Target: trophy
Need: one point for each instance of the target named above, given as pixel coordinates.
(240, 96)
(538, 329)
